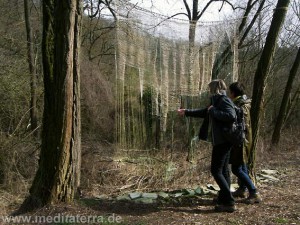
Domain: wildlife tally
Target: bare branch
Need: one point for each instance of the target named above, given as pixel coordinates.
(35, 7)
(246, 14)
(229, 3)
(188, 10)
(112, 11)
(167, 18)
(210, 2)
(221, 6)
(97, 9)
(259, 10)
(204, 9)
(296, 9)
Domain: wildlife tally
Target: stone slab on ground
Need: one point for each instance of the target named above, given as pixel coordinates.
(179, 194)
(233, 187)
(213, 187)
(269, 172)
(123, 198)
(267, 177)
(189, 192)
(198, 191)
(153, 197)
(144, 200)
(163, 194)
(135, 195)
(101, 197)
(150, 195)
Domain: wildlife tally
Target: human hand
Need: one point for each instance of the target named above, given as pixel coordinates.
(210, 107)
(181, 112)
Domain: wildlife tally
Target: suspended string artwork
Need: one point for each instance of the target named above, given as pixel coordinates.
(160, 68)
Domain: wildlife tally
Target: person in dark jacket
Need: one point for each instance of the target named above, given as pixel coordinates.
(221, 113)
(240, 156)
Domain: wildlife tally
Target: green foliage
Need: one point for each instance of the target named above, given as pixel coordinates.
(281, 221)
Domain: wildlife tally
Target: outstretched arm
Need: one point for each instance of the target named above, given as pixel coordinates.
(200, 113)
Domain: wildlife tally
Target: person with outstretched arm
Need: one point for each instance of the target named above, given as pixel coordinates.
(220, 113)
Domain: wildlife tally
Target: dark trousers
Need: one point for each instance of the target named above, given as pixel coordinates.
(241, 172)
(220, 172)
(241, 184)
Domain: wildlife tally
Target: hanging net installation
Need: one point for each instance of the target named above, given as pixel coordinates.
(163, 64)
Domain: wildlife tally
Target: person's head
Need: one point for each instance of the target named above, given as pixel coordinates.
(236, 89)
(216, 86)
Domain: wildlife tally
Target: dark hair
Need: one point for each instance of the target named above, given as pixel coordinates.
(237, 88)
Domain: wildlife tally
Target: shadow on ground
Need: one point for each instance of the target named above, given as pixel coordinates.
(186, 205)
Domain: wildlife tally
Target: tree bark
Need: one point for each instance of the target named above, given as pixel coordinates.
(58, 175)
(32, 69)
(262, 73)
(292, 105)
(285, 101)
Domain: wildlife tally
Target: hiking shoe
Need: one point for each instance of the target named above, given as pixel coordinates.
(225, 208)
(253, 199)
(239, 193)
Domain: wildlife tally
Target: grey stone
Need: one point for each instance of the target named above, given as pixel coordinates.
(144, 200)
(176, 195)
(269, 172)
(233, 187)
(163, 194)
(188, 192)
(123, 198)
(268, 177)
(150, 195)
(205, 191)
(213, 187)
(213, 192)
(199, 191)
(135, 195)
(101, 197)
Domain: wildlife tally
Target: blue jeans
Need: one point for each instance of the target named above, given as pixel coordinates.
(241, 184)
(241, 172)
(220, 172)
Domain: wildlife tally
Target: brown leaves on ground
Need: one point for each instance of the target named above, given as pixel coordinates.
(281, 203)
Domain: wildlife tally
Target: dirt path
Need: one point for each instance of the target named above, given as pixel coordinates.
(281, 204)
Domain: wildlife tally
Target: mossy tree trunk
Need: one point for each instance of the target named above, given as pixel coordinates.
(285, 101)
(58, 175)
(262, 74)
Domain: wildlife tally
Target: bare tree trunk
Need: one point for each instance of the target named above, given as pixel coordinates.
(285, 101)
(32, 69)
(262, 73)
(192, 35)
(292, 105)
(58, 175)
(193, 19)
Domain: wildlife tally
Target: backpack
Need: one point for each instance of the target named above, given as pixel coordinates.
(235, 133)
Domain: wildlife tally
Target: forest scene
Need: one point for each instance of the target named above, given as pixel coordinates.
(149, 112)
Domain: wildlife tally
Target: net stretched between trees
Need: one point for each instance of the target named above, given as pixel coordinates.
(160, 67)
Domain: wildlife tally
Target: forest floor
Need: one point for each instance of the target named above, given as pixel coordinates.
(281, 203)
